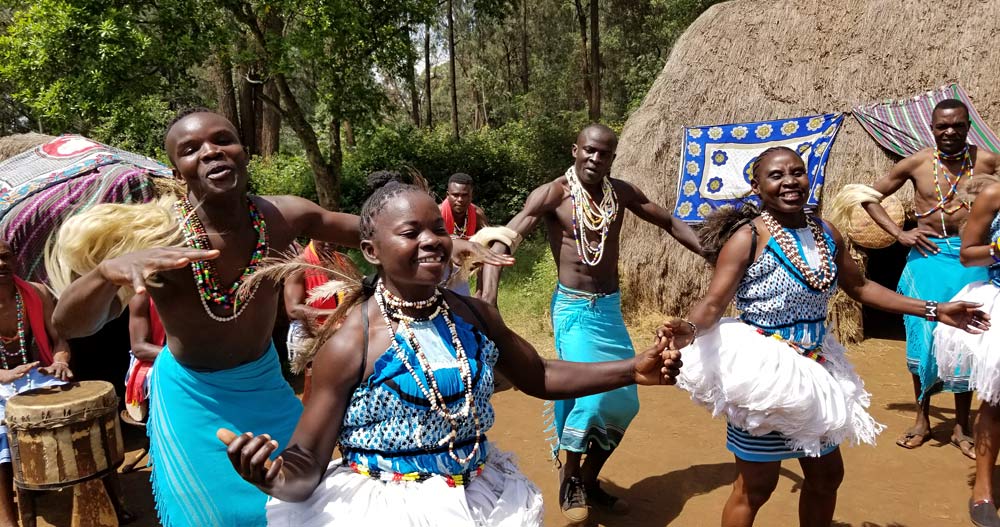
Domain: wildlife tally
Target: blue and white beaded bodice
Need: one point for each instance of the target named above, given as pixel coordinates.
(994, 269)
(774, 297)
(389, 424)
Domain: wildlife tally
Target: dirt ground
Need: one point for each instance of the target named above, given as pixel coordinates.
(674, 469)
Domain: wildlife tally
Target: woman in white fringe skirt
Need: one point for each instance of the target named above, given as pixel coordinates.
(978, 356)
(404, 387)
(782, 381)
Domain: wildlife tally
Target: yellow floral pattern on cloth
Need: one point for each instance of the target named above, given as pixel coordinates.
(694, 149)
(789, 128)
(690, 188)
(740, 132)
(763, 131)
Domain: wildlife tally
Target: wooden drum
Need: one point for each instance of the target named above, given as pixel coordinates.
(63, 435)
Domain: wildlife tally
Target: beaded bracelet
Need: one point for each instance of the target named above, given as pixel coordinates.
(930, 310)
(693, 326)
(994, 249)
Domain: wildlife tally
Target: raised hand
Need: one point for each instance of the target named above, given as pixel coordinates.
(964, 315)
(249, 456)
(15, 373)
(477, 255)
(918, 239)
(133, 269)
(657, 365)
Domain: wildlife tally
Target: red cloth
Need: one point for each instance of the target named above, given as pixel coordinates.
(36, 319)
(315, 278)
(135, 385)
(449, 219)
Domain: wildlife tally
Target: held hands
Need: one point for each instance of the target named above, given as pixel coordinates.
(657, 365)
(249, 455)
(917, 238)
(964, 316)
(678, 332)
(13, 374)
(133, 269)
(58, 369)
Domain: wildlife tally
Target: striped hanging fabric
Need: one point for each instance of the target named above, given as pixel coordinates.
(904, 126)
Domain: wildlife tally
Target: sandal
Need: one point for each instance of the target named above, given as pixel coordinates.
(906, 440)
(983, 513)
(966, 444)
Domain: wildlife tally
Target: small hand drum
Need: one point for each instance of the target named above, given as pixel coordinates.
(62, 435)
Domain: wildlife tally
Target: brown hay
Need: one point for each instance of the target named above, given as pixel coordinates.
(751, 60)
(12, 145)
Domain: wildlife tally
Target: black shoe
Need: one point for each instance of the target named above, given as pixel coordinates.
(597, 496)
(573, 500)
(983, 513)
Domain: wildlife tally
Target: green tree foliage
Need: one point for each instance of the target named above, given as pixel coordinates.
(108, 68)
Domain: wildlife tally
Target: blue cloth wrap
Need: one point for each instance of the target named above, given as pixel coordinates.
(589, 327)
(937, 277)
(193, 481)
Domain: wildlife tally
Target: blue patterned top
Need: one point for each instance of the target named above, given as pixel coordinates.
(389, 424)
(994, 269)
(774, 296)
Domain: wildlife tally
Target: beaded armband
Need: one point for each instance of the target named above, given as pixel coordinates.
(930, 311)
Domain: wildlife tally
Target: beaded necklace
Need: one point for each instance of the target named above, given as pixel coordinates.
(390, 306)
(589, 216)
(460, 231)
(944, 198)
(22, 350)
(818, 279)
(205, 275)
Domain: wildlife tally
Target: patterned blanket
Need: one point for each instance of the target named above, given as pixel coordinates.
(41, 187)
(904, 126)
(716, 160)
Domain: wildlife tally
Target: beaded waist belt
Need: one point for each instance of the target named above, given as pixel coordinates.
(815, 354)
(454, 480)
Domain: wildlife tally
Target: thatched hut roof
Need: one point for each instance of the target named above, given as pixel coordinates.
(12, 145)
(750, 60)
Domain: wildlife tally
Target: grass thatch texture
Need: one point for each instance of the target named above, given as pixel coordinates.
(751, 60)
(12, 145)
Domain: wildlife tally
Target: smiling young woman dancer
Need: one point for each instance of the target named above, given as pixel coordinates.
(782, 266)
(404, 387)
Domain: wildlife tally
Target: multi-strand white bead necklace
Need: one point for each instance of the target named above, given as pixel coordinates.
(391, 308)
(589, 216)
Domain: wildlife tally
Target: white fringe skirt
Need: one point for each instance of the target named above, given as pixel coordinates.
(975, 356)
(501, 496)
(762, 385)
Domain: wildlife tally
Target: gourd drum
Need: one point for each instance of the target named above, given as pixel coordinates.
(63, 435)
(866, 233)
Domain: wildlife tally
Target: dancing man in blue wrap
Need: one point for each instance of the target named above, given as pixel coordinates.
(940, 177)
(219, 367)
(581, 215)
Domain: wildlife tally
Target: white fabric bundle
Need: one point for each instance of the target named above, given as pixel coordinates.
(975, 355)
(501, 496)
(762, 385)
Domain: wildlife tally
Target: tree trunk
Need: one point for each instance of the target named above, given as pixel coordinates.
(411, 83)
(451, 63)
(325, 176)
(270, 130)
(330, 196)
(349, 134)
(584, 61)
(524, 45)
(270, 116)
(427, 74)
(225, 93)
(248, 115)
(595, 61)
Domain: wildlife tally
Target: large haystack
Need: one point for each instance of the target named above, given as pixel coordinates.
(751, 60)
(12, 145)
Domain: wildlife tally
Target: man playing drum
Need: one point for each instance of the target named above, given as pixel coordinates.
(32, 355)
